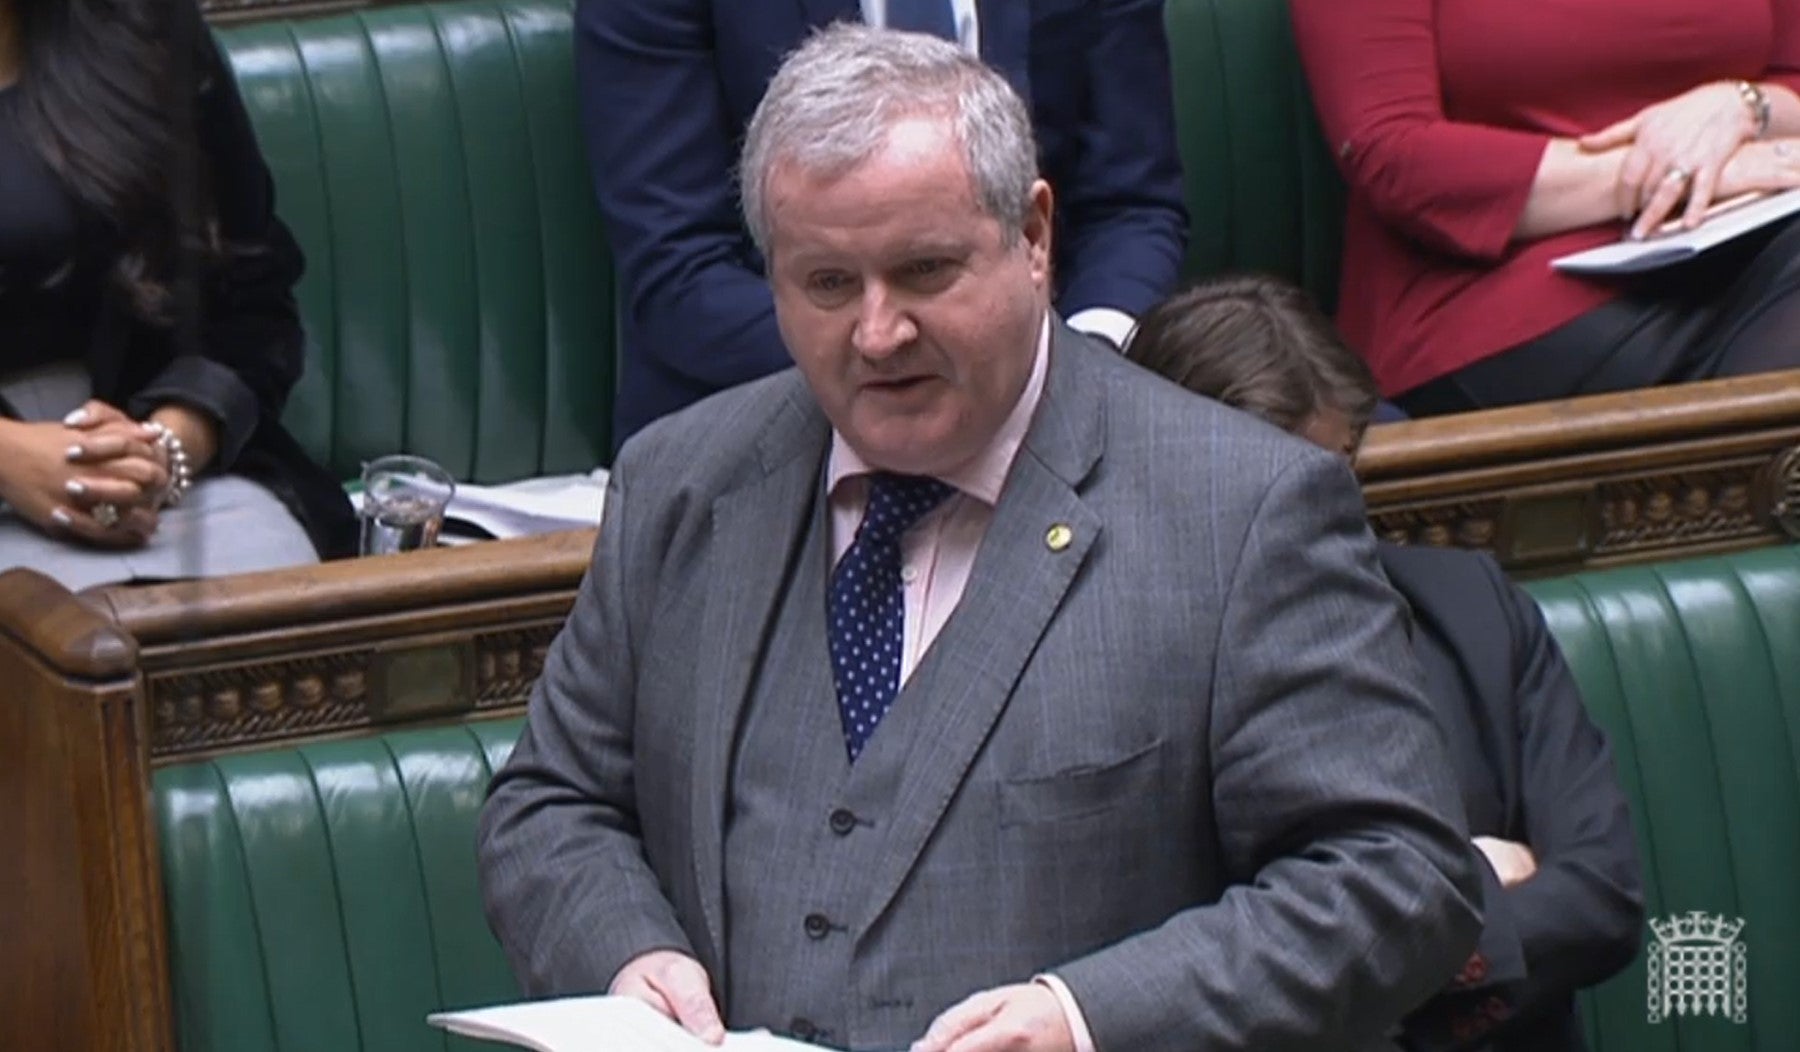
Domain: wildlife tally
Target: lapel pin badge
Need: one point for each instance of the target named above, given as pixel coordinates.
(1058, 537)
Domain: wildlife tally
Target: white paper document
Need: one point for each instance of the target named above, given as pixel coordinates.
(538, 505)
(597, 1024)
(1632, 257)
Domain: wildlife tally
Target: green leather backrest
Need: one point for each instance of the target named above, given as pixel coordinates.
(324, 898)
(458, 298)
(1693, 669)
(1262, 190)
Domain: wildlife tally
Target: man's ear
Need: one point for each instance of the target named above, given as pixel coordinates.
(1037, 230)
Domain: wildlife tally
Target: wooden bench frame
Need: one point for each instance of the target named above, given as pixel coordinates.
(1639, 476)
(110, 684)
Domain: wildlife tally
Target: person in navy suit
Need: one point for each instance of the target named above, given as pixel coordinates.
(667, 87)
(1562, 887)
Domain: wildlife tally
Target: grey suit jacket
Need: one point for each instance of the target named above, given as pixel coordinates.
(1185, 763)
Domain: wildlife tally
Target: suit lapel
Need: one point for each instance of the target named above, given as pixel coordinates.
(757, 530)
(1015, 589)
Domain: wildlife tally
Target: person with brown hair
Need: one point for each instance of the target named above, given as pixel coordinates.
(1564, 907)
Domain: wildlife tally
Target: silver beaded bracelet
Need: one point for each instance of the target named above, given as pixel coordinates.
(181, 474)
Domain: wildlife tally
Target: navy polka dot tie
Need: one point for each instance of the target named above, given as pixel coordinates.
(867, 607)
(923, 16)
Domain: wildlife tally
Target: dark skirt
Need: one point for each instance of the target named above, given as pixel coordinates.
(1733, 311)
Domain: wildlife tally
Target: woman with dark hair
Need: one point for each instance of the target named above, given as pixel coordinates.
(148, 333)
(1481, 140)
(1563, 900)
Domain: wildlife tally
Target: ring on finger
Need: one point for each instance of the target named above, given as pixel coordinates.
(1678, 175)
(106, 514)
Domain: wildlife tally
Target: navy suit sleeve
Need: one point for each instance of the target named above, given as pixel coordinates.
(1123, 219)
(1579, 919)
(663, 152)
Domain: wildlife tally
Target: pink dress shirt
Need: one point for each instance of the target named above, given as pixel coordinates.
(937, 554)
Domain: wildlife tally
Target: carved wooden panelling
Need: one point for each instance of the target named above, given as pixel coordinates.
(1692, 507)
(508, 663)
(232, 705)
(1460, 524)
(251, 703)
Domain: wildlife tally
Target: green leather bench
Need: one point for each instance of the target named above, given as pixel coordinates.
(1262, 191)
(324, 897)
(459, 294)
(458, 299)
(1693, 669)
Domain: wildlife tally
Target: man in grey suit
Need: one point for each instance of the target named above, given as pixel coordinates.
(970, 687)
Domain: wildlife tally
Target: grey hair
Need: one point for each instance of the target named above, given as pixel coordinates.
(832, 102)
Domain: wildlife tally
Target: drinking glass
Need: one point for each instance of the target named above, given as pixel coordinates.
(403, 503)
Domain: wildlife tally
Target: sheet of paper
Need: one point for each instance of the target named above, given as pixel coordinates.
(1632, 257)
(596, 1024)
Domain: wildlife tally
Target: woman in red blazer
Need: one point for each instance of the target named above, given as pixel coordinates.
(1483, 139)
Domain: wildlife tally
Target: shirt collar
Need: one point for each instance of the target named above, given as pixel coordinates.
(983, 476)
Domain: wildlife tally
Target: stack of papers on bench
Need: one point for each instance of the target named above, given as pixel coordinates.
(518, 509)
(1632, 257)
(597, 1024)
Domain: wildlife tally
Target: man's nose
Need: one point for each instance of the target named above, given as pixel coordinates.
(883, 325)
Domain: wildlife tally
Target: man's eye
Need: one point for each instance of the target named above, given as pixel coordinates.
(829, 282)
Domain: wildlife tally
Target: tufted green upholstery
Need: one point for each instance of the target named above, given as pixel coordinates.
(459, 296)
(1693, 668)
(326, 895)
(1262, 190)
(324, 898)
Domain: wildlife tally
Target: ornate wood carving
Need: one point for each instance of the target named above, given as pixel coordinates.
(1461, 524)
(227, 706)
(1706, 507)
(1779, 490)
(1596, 481)
(235, 705)
(508, 663)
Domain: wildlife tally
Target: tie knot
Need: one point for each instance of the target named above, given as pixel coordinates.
(898, 501)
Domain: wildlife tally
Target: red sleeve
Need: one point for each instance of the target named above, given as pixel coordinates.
(1455, 187)
(1784, 58)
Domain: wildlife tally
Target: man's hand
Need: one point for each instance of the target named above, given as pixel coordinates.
(675, 985)
(1022, 1018)
(1513, 862)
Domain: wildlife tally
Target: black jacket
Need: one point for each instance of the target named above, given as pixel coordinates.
(1534, 769)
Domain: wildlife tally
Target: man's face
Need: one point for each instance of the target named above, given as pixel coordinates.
(914, 327)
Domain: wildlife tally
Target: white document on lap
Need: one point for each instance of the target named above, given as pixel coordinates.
(1632, 257)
